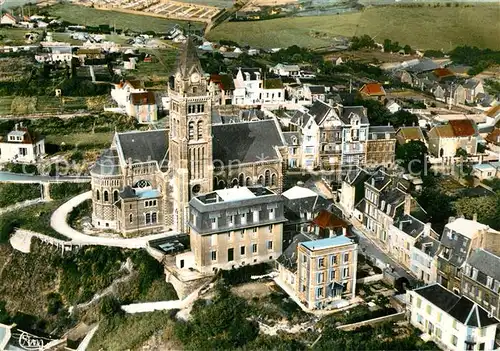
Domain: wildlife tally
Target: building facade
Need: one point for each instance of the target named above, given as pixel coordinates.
(235, 227)
(381, 146)
(21, 145)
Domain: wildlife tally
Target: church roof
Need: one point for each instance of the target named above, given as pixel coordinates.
(188, 58)
(107, 164)
(143, 146)
(246, 142)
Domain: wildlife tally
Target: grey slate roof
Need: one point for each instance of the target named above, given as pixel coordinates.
(107, 164)
(410, 225)
(379, 132)
(300, 118)
(423, 66)
(252, 72)
(458, 248)
(188, 58)
(428, 245)
(379, 179)
(470, 83)
(319, 110)
(356, 176)
(246, 142)
(312, 204)
(317, 89)
(289, 138)
(485, 262)
(143, 146)
(289, 257)
(346, 112)
(461, 308)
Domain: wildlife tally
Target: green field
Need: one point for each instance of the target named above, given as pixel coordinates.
(15, 36)
(424, 27)
(97, 139)
(92, 17)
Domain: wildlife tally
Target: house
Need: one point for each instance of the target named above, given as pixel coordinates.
(337, 60)
(314, 92)
(472, 87)
(373, 90)
(247, 86)
(484, 171)
(328, 224)
(8, 19)
(320, 273)
(386, 198)
(143, 107)
(493, 139)
(459, 238)
(121, 92)
(443, 73)
(403, 234)
(481, 280)
(293, 140)
(55, 54)
(272, 92)
(21, 145)
(445, 140)
(453, 322)
(352, 190)
(89, 54)
(309, 145)
(285, 70)
(406, 134)
(381, 146)
(423, 258)
(235, 227)
(393, 106)
(221, 87)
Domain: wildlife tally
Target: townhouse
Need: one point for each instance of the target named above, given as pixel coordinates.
(252, 88)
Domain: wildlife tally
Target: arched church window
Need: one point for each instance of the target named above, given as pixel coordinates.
(115, 196)
(97, 195)
(273, 180)
(235, 182)
(191, 130)
(241, 179)
(248, 181)
(199, 128)
(106, 196)
(267, 178)
(222, 184)
(261, 180)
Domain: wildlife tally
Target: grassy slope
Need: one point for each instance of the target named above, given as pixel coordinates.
(92, 17)
(420, 27)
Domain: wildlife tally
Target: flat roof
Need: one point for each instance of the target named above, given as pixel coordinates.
(466, 227)
(146, 194)
(328, 242)
(235, 194)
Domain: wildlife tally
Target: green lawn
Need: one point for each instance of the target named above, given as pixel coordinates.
(97, 139)
(421, 27)
(15, 36)
(92, 17)
(5, 104)
(158, 70)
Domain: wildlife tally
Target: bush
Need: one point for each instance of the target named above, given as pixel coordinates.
(12, 193)
(243, 274)
(59, 191)
(110, 307)
(54, 303)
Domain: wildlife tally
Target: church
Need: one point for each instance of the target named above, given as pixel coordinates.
(143, 183)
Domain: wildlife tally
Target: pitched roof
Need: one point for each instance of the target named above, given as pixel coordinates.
(494, 137)
(373, 89)
(188, 58)
(292, 138)
(289, 256)
(224, 81)
(443, 72)
(493, 112)
(143, 146)
(319, 110)
(409, 225)
(316, 89)
(444, 131)
(471, 83)
(380, 132)
(252, 72)
(427, 245)
(107, 164)
(461, 308)
(485, 262)
(145, 98)
(356, 176)
(410, 133)
(246, 142)
(462, 127)
(347, 112)
(423, 65)
(326, 219)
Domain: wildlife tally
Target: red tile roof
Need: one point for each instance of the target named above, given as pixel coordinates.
(494, 137)
(443, 72)
(326, 219)
(462, 127)
(146, 98)
(373, 89)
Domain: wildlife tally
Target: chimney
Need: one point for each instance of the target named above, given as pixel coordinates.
(400, 225)
(451, 219)
(373, 181)
(16, 126)
(407, 205)
(427, 229)
(474, 217)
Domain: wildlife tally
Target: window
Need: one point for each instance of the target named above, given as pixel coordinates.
(267, 176)
(106, 196)
(199, 129)
(319, 292)
(439, 316)
(321, 262)
(214, 255)
(346, 257)
(230, 220)
(242, 235)
(254, 248)
(346, 272)
(130, 218)
(321, 278)
(482, 332)
(242, 250)
(274, 180)
(271, 213)
(428, 309)
(254, 230)
(148, 218)
(270, 228)
(454, 340)
(214, 223)
(200, 108)
(419, 302)
(332, 275)
(243, 218)
(304, 258)
(191, 109)
(481, 346)
(115, 196)
(419, 319)
(333, 260)
(270, 245)
(154, 217)
(213, 239)
(97, 195)
(241, 179)
(255, 216)
(454, 324)
(191, 130)
(23, 151)
(438, 333)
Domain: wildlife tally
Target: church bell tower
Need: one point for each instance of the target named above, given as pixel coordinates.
(190, 136)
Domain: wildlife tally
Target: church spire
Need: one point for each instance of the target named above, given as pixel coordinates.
(188, 61)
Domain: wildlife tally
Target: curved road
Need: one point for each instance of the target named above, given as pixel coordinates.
(59, 224)
(11, 177)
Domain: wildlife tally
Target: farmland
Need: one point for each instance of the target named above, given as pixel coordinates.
(93, 17)
(425, 27)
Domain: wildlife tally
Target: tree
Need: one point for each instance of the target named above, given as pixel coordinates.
(407, 49)
(437, 205)
(377, 113)
(364, 41)
(412, 156)
(110, 307)
(486, 208)
(403, 118)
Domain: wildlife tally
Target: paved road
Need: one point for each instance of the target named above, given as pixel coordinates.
(59, 224)
(11, 177)
(370, 249)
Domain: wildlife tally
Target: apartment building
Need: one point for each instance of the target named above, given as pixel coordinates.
(453, 322)
(320, 273)
(381, 146)
(235, 227)
(481, 280)
(423, 258)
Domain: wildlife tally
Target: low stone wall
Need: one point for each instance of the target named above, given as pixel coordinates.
(370, 279)
(371, 322)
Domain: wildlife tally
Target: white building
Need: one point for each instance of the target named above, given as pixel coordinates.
(121, 92)
(21, 145)
(247, 86)
(8, 19)
(423, 261)
(285, 70)
(451, 321)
